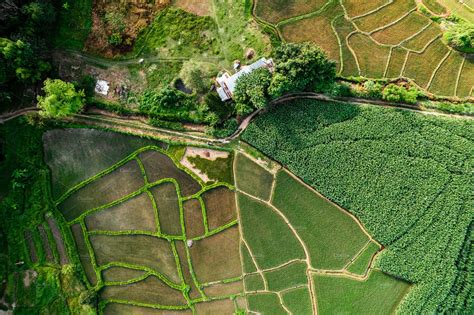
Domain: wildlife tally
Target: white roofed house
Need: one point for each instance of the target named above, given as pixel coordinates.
(226, 83)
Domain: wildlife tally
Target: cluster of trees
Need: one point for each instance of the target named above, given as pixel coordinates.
(460, 36)
(26, 29)
(298, 67)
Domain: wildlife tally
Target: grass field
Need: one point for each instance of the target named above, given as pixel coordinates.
(265, 303)
(390, 169)
(252, 178)
(435, 7)
(379, 294)
(298, 301)
(361, 264)
(275, 11)
(459, 9)
(359, 36)
(449, 69)
(287, 277)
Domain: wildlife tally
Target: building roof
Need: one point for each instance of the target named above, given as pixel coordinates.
(228, 82)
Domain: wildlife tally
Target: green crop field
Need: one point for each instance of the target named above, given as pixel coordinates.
(373, 38)
(404, 175)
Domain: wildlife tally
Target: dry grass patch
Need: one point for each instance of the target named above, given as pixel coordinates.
(149, 291)
(386, 15)
(159, 166)
(215, 307)
(435, 7)
(402, 30)
(224, 289)
(134, 214)
(397, 59)
(113, 186)
(198, 7)
(444, 80)
(220, 206)
(124, 309)
(420, 67)
(139, 250)
(83, 253)
(419, 41)
(217, 257)
(166, 199)
(466, 80)
(193, 220)
(372, 57)
(118, 274)
(275, 11)
(359, 7)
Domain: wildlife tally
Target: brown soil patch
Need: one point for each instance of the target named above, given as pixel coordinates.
(124, 309)
(167, 203)
(193, 218)
(83, 253)
(217, 257)
(183, 259)
(141, 250)
(220, 206)
(117, 274)
(159, 166)
(129, 18)
(29, 276)
(31, 246)
(149, 291)
(134, 214)
(215, 307)
(223, 289)
(58, 238)
(113, 186)
(198, 7)
(45, 242)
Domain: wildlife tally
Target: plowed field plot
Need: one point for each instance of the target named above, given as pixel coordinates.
(151, 237)
(374, 38)
(300, 234)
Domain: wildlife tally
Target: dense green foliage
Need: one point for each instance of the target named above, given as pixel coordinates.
(60, 100)
(300, 67)
(406, 176)
(396, 93)
(74, 24)
(460, 36)
(251, 91)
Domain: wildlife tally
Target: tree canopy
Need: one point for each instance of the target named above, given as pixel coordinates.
(251, 91)
(460, 36)
(60, 100)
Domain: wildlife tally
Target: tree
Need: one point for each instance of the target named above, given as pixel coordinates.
(300, 67)
(60, 100)
(252, 90)
(197, 75)
(460, 36)
(396, 93)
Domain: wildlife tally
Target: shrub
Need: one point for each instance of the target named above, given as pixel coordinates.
(396, 93)
(61, 99)
(341, 89)
(373, 89)
(460, 36)
(226, 130)
(197, 75)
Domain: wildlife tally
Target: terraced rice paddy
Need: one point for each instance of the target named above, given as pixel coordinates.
(377, 39)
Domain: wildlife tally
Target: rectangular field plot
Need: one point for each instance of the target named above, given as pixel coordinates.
(344, 28)
(167, 203)
(134, 214)
(466, 80)
(298, 301)
(140, 250)
(124, 309)
(442, 83)
(186, 270)
(121, 274)
(332, 236)
(215, 307)
(372, 57)
(252, 178)
(193, 220)
(217, 257)
(83, 253)
(272, 243)
(111, 187)
(274, 11)
(254, 283)
(395, 65)
(379, 294)
(224, 289)
(389, 14)
(287, 277)
(419, 42)
(420, 67)
(78, 153)
(265, 303)
(48, 250)
(361, 263)
(401, 30)
(435, 7)
(149, 291)
(220, 206)
(160, 166)
(358, 7)
(58, 239)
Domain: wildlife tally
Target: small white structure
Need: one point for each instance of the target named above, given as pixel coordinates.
(226, 82)
(189, 243)
(102, 87)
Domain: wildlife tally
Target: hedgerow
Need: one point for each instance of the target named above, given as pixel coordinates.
(405, 175)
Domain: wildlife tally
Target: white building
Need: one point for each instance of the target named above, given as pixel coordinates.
(226, 82)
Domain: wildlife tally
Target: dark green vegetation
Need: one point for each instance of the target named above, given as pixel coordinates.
(379, 294)
(219, 170)
(74, 24)
(33, 255)
(130, 219)
(406, 176)
(60, 100)
(460, 36)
